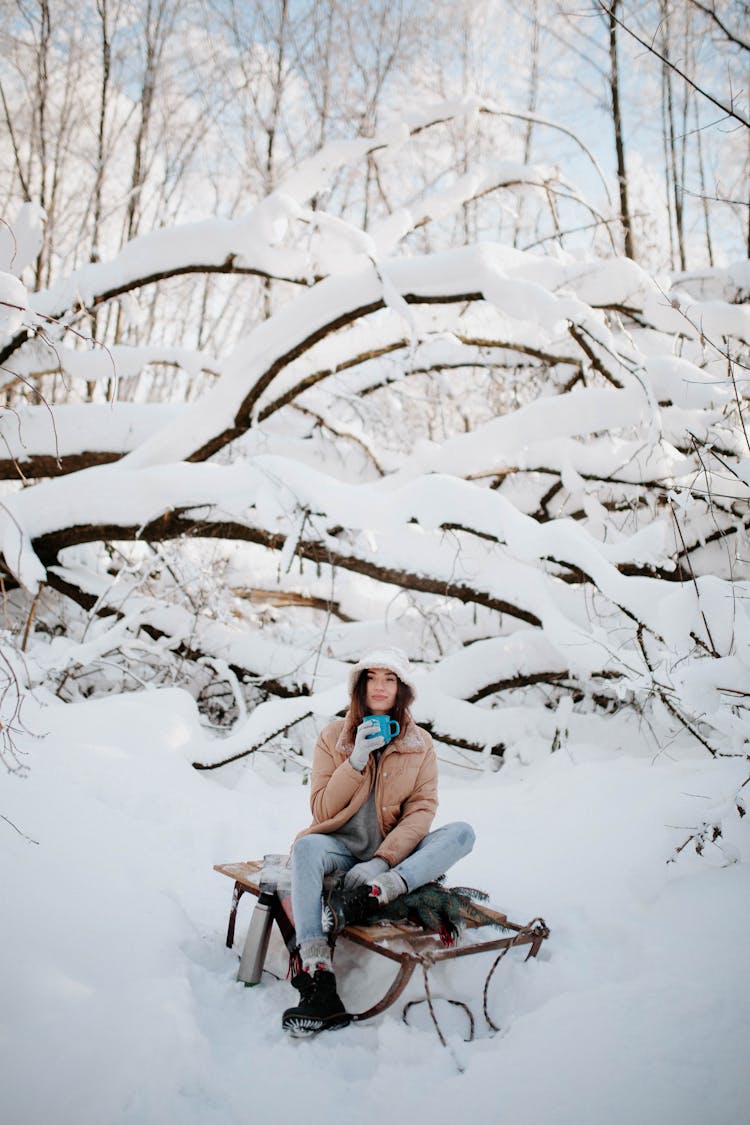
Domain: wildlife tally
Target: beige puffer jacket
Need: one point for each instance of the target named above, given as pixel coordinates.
(405, 788)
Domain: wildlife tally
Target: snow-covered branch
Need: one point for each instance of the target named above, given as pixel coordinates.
(531, 468)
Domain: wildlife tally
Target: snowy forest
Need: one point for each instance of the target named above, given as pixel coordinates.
(332, 323)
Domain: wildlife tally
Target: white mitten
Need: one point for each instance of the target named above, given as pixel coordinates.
(368, 738)
(364, 872)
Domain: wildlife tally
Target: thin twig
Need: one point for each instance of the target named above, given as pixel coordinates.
(730, 368)
(661, 692)
(17, 829)
(30, 618)
(692, 575)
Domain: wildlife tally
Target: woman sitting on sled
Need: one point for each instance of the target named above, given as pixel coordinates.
(373, 798)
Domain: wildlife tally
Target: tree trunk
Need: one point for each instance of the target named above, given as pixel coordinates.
(102, 7)
(622, 177)
(673, 167)
(42, 86)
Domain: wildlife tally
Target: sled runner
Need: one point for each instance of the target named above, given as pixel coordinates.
(406, 944)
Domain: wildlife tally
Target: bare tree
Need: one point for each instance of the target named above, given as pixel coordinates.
(216, 128)
(730, 107)
(159, 15)
(614, 86)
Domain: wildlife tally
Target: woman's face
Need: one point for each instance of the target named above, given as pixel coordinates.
(382, 688)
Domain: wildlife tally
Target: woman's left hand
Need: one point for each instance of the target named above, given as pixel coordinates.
(365, 872)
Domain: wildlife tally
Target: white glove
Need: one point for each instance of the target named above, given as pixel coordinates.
(364, 745)
(364, 872)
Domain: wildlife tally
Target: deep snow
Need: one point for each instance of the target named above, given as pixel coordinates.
(120, 1004)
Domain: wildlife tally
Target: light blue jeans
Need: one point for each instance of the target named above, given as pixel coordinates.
(316, 855)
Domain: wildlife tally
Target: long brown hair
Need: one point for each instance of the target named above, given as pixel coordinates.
(358, 706)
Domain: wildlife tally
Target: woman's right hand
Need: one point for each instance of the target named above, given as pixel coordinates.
(367, 739)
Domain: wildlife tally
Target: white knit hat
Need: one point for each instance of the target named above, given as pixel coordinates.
(394, 659)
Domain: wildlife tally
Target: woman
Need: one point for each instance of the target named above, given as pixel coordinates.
(373, 801)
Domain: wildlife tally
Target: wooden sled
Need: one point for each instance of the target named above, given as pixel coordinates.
(408, 945)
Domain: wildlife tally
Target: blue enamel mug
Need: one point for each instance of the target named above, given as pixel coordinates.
(387, 726)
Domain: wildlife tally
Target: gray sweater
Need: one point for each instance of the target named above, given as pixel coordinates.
(361, 833)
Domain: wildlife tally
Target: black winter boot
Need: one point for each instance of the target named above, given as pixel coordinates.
(349, 908)
(320, 1007)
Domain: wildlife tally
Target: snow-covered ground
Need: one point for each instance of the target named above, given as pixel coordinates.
(119, 999)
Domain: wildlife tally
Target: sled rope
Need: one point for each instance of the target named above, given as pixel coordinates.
(426, 964)
(537, 926)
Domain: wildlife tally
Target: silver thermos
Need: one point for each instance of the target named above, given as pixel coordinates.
(256, 942)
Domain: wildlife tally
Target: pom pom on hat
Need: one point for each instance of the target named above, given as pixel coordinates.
(394, 659)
